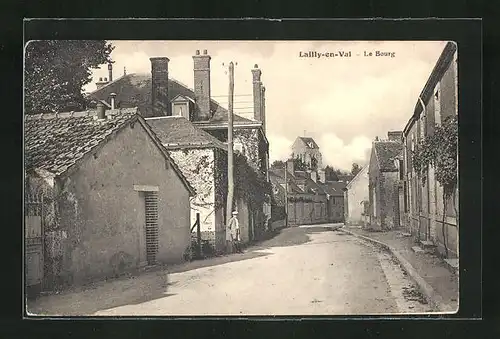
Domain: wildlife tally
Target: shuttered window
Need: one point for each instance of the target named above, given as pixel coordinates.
(151, 203)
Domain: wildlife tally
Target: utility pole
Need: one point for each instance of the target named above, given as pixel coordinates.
(286, 195)
(230, 159)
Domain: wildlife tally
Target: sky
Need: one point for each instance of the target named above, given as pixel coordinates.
(341, 102)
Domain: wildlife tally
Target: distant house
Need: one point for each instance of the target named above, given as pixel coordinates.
(383, 187)
(114, 200)
(422, 210)
(336, 204)
(310, 200)
(356, 198)
(159, 95)
(307, 150)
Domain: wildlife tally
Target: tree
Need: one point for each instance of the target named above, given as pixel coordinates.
(56, 71)
(299, 165)
(314, 163)
(355, 169)
(278, 164)
(331, 174)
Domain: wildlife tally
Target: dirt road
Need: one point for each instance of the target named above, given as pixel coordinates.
(313, 270)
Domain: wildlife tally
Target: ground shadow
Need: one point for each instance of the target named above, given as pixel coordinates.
(250, 253)
(292, 236)
(102, 296)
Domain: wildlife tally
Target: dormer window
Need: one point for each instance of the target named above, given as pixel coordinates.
(181, 106)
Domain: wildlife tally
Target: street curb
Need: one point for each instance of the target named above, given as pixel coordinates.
(433, 298)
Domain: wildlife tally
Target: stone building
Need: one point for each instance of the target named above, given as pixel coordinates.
(423, 207)
(384, 179)
(356, 198)
(307, 150)
(114, 199)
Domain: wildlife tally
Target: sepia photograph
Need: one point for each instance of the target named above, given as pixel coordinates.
(240, 178)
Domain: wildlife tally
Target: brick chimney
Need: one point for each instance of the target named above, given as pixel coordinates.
(202, 86)
(257, 93)
(159, 86)
(263, 109)
(395, 136)
(110, 72)
(289, 166)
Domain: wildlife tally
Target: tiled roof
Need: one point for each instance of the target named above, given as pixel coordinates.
(296, 179)
(308, 140)
(134, 90)
(345, 178)
(57, 142)
(335, 188)
(278, 176)
(177, 132)
(386, 152)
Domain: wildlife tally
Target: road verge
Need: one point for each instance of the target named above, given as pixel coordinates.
(434, 299)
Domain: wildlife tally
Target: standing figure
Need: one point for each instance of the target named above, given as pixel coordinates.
(233, 233)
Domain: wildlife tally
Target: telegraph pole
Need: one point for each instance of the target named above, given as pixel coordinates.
(230, 159)
(286, 194)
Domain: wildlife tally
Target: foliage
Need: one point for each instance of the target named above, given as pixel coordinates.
(56, 71)
(198, 167)
(299, 165)
(278, 164)
(439, 150)
(314, 163)
(250, 185)
(355, 169)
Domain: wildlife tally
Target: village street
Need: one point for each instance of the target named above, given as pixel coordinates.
(308, 270)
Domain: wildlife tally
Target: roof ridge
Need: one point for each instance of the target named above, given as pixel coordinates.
(111, 82)
(78, 114)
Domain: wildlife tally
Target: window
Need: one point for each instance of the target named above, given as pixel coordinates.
(437, 104)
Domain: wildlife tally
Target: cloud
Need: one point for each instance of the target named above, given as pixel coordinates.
(340, 155)
(280, 147)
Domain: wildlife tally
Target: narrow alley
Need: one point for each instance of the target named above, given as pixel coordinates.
(308, 270)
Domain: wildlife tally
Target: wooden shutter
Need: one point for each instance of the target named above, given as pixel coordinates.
(151, 199)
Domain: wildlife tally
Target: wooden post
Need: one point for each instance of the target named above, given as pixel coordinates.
(230, 160)
(198, 235)
(286, 195)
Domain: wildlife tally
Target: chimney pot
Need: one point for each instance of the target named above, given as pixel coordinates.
(101, 111)
(205, 52)
(105, 79)
(100, 79)
(256, 66)
(197, 52)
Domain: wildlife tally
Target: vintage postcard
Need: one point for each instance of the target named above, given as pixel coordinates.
(240, 178)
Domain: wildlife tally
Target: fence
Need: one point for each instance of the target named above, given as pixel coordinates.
(34, 242)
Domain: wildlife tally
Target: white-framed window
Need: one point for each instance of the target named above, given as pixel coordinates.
(437, 104)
